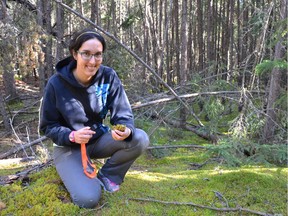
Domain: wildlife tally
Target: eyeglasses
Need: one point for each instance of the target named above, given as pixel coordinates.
(86, 56)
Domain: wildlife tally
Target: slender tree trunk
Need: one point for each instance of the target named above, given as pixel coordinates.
(95, 12)
(231, 40)
(168, 19)
(200, 36)
(177, 39)
(145, 53)
(41, 72)
(3, 10)
(8, 78)
(60, 32)
(183, 65)
(79, 7)
(4, 114)
(209, 32)
(48, 42)
(190, 54)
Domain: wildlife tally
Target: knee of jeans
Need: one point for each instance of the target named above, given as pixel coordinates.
(142, 139)
(87, 200)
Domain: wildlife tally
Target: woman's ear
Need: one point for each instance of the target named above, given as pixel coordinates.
(74, 55)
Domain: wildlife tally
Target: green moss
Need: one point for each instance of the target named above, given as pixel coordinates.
(167, 179)
(42, 196)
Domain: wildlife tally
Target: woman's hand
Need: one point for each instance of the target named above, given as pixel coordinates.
(119, 135)
(83, 135)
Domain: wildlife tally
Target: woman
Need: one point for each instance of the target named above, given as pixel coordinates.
(76, 100)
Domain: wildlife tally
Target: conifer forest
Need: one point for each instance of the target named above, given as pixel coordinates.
(201, 75)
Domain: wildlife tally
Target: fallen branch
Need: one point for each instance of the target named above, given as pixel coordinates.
(4, 180)
(239, 209)
(15, 161)
(171, 98)
(138, 105)
(21, 147)
(197, 130)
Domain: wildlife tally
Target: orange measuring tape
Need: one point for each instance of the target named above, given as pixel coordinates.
(90, 169)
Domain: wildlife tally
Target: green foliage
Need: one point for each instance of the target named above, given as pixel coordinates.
(213, 109)
(267, 66)
(221, 85)
(120, 60)
(237, 152)
(134, 15)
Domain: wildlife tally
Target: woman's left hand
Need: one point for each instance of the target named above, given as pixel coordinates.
(119, 135)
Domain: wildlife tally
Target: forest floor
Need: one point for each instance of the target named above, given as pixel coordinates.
(177, 181)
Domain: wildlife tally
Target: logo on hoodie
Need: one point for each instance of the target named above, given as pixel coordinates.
(102, 94)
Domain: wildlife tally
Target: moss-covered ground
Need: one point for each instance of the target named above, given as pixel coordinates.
(169, 177)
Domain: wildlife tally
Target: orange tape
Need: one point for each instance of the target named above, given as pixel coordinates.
(90, 171)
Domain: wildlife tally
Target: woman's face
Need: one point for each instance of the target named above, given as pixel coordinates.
(88, 65)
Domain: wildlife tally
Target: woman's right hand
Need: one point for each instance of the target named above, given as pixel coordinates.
(83, 135)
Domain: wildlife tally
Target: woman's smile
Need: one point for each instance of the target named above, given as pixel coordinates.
(88, 60)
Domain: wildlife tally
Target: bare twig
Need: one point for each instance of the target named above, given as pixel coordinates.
(94, 210)
(239, 209)
(21, 147)
(222, 198)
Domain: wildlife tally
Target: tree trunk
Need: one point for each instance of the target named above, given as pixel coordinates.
(176, 38)
(60, 32)
(3, 10)
(275, 80)
(183, 66)
(4, 113)
(200, 36)
(190, 52)
(41, 72)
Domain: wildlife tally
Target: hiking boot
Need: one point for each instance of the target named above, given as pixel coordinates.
(107, 184)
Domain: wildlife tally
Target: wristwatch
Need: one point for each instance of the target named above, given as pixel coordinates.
(71, 136)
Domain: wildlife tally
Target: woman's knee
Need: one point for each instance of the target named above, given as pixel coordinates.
(88, 199)
(141, 138)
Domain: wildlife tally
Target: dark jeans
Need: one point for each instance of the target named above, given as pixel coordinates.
(86, 192)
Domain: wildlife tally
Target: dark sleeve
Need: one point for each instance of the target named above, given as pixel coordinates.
(51, 120)
(119, 106)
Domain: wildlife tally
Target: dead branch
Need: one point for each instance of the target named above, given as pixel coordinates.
(138, 105)
(197, 130)
(23, 174)
(239, 209)
(21, 147)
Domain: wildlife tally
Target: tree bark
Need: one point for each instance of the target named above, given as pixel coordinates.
(275, 80)
(200, 35)
(60, 32)
(4, 114)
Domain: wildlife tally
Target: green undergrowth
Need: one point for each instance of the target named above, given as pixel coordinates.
(171, 178)
(184, 178)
